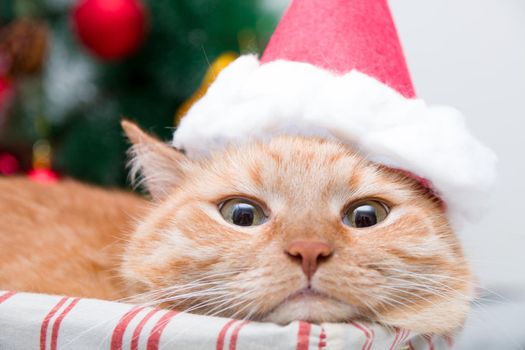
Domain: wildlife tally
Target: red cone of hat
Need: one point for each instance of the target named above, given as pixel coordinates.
(342, 35)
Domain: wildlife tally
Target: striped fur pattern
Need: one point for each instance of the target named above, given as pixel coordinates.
(64, 238)
(408, 271)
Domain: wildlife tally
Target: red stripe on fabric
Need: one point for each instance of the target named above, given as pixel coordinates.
(58, 321)
(235, 335)
(222, 334)
(404, 337)
(142, 323)
(369, 336)
(410, 345)
(45, 322)
(396, 339)
(429, 341)
(6, 296)
(322, 339)
(120, 328)
(449, 341)
(372, 336)
(156, 332)
(303, 335)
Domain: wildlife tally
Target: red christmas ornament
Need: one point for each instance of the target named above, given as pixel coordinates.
(111, 29)
(43, 175)
(9, 165)
(6, 96)
(6, 91)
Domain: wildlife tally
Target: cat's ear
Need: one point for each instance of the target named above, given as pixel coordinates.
(153, 163)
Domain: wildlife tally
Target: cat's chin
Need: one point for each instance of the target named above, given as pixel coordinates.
(312, 307)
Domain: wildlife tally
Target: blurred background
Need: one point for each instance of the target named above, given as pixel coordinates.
(69, 69)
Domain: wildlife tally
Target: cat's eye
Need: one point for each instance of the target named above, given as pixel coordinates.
(366, 214)
(242, 212)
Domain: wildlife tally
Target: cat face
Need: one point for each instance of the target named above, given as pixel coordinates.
(294, 229)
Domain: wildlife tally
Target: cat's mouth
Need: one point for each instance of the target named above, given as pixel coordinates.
(309, 304)
(306, 294)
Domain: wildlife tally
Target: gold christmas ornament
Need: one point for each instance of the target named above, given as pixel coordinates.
(215, 68)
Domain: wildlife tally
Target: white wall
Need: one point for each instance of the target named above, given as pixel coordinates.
(471, 54)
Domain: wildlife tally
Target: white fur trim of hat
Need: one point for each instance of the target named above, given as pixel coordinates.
(249, 101)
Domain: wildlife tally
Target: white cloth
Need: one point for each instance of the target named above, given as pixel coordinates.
(38, 321)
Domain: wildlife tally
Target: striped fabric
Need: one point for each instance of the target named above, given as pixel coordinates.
(38, 321)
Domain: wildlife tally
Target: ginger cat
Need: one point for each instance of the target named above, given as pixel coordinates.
(63, 238)
(293, 228)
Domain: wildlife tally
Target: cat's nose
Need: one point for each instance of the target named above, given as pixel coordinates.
(310, 253)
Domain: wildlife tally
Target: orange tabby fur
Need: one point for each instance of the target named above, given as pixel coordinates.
(407, 271)
(63, 238)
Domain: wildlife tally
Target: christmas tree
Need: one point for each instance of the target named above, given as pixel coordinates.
(69, 71)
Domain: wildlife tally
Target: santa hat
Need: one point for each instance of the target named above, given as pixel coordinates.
(335, 69)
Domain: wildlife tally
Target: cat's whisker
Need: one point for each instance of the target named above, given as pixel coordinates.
(391, 302)
(221, 311)
(206, 304)
(233, 298)
(443, 287)
(406, 276)
(377, 315)
(190, 295)
(202, 305)
(443, 295)
(406, 286)
(197, 283)
(217, 294)
(401, 291)
(159, 300)
(241, 310)
(255, 312)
